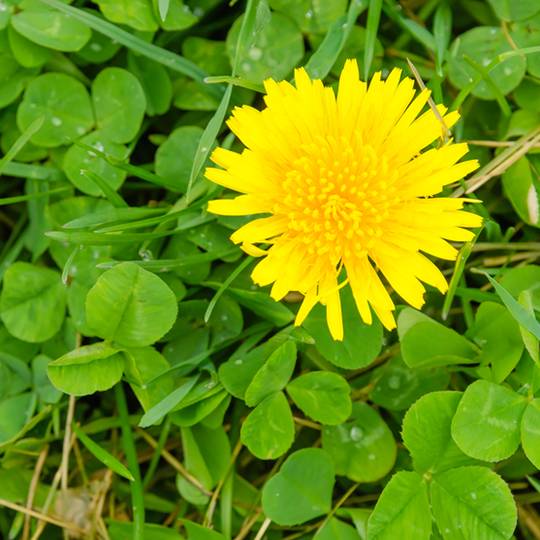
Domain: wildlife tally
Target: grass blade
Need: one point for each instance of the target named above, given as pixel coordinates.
(168, 403)
(374, 16)
(461, 260)
(416, 30)
(20, 143)
(235, 81)
(128, 443)
(484, 74)
(224, 286)
(165, 265)
(520, 314)
(209, 136)
(132, 170)
(102, 455)
(33, 172)
(22, 198)
(114, 198)
(442, 32)
(324, 58)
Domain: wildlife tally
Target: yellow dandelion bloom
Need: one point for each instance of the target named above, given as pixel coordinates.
(345, 192)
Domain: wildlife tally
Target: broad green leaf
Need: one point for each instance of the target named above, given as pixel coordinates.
(530, 432)
(157, 54)
(88, 369)
(99, 49)
(15, 483)
(274, 52)
(427, 434)
(273, 375)
(69, 209)
(262, 305)
(360, 517)
(190, 415)
(15, 376)
(42, 385)
(514, 11)
(79, 160)
(323, 396)
(498, 335)
(487, 421)
(15, 412)
(131, 306)
(237, 373)
(482, 44)
(530, 341)
(28, 53)
(397, 387)
(124, 530)
(143, 366)
(155, 81)
(526, 95)
(521, 186)
(135, 13)
(198, 532)
(13, 77)
(209, 54)
(32, 303)
(427, 343)
(523, 278)
(64, 104)
(334, 529)
(311, 15)
(472, 501)
(119, 102)
(301, 490)
(179, 16)
(361, 343)
(175, 156)
(207, 453)
(525, 34)
(268, 431)
(102, 455)
(362, 449)
(402, 510)
(50, 28)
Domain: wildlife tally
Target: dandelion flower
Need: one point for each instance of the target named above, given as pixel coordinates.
(345, 192)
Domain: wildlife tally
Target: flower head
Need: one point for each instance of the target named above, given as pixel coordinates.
(345, 192)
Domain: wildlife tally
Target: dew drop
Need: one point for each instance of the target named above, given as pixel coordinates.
(394, 382)
(371, 457)
(96, 47)
(239, 362)
(55, 121)
(473, 496)
(356, 433)
(255, 53)
(246, 66)
(309, 14)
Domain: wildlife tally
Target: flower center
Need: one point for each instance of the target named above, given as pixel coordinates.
(337, 195)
